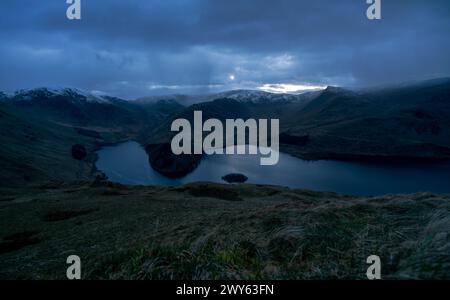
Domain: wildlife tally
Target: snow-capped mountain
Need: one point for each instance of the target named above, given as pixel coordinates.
(82, 108)
(73, 106)
(67, 94)
(255, 96)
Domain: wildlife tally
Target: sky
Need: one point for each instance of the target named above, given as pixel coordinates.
(139, 48)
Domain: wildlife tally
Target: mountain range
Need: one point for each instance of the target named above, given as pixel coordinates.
(53, 200)
(39, 126)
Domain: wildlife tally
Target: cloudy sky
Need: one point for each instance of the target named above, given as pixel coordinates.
(137, 48)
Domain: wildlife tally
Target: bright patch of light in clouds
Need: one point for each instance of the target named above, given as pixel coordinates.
(232, 77)
(281, 62)
(289, 88)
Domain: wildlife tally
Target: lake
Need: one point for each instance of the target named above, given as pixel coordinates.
(127, 163)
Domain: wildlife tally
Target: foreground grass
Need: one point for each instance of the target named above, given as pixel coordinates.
(210, 231)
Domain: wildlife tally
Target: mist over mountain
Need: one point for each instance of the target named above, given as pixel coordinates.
(389, 123)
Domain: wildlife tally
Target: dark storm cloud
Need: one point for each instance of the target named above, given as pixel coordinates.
(133, 48)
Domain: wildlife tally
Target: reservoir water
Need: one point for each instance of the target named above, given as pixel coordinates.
(127, 163)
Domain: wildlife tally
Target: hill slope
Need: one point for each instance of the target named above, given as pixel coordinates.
(210, 231)
(39, 127)
(410, 122)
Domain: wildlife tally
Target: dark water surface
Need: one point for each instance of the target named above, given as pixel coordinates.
(127, 163)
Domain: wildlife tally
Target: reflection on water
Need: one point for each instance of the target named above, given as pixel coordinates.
(127, 163)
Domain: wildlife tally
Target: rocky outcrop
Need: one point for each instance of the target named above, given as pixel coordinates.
(235, 178)
(163, 161)
(79, 152)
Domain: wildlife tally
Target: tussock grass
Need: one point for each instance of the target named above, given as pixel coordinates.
(19, 240)
(60, 215)
(193, 232)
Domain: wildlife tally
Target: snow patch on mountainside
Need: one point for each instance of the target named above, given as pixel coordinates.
(74, 95)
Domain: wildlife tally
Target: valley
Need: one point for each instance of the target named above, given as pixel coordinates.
(407, 123)
(53, 204)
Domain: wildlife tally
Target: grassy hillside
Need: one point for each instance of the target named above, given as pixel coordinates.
(209, 231)
(404, 123)
(38, 129)
(409, 122)
(36, 150)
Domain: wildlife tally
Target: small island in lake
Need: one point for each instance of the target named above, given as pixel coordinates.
(235, 178)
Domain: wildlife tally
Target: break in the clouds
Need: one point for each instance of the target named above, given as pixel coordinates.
(136, 48)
